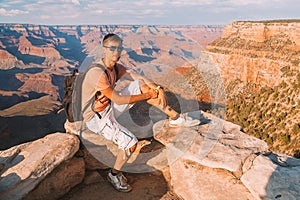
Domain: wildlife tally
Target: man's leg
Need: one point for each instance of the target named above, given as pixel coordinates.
(108, 127)
(115, 176)
(135, 152)
(176, 119)
(154, 102)
(121, 159)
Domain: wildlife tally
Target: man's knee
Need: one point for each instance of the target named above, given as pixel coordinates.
(129, 151)
(132, 149)
(144, 87)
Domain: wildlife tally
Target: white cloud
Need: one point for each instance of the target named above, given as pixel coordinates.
(7, 4)
(76, 2)
(251, 2)
(43, 2)
(98, 11)
(191, 3)
(31, 7)
(45, 17)
(13, 12)
(145, 11)
(12, 2)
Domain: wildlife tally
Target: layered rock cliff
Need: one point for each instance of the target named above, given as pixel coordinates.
(256, 51)
(260, 66)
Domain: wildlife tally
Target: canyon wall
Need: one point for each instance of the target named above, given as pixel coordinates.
(259, 64)
(256, 51)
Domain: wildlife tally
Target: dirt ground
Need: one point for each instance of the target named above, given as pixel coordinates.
(146, 186)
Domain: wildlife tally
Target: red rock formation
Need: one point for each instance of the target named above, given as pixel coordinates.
(255, 70)
(262, 31)
(201, 34)
(25, 47)
(256, 51)
(8, 61)
(40, 83)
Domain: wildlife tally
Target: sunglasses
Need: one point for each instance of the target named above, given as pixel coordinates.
(113, 48)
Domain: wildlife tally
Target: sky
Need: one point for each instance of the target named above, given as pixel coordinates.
(146, 12)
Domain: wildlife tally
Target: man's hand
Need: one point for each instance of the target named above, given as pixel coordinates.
(101, 102)
(153, 93)
(162, 98)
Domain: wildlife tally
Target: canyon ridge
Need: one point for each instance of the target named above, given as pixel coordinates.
(256, 84)
(243, 77)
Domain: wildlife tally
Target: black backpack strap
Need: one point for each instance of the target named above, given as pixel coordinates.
(117, 71)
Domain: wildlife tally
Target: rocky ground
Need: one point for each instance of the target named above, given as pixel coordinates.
(147, 186)
(214, 160)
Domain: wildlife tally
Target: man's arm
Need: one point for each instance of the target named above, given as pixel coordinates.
(161, 95)
(120, 99)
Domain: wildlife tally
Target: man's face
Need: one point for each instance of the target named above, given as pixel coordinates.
(113, 50)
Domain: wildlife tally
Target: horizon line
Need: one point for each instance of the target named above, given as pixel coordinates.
(161, 25)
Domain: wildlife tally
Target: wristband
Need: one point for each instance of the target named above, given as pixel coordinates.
(157, 89)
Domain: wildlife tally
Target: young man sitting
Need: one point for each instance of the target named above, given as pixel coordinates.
(101, 116)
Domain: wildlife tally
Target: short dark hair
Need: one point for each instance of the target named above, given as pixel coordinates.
(111, 36)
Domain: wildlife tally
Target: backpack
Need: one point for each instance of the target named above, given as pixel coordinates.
(69, 82)
(73, 91)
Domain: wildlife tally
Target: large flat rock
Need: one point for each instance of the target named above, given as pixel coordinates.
(191, 180)
(216, 143)
(26, 165)
(216, 160)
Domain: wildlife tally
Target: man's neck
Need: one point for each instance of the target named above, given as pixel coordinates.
(108, 63)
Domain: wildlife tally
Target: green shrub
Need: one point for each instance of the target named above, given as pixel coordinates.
(296, 129)
(285, 138)
(269, 141)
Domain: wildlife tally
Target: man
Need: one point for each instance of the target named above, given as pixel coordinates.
(101, 116)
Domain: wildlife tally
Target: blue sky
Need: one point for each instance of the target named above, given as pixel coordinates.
(156, 12)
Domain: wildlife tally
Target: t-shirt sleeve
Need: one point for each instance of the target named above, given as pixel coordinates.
(98, 79)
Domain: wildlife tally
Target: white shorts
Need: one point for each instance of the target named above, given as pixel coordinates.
(108, 126)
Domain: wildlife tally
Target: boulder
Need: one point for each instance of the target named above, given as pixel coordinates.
(60, 181)
(273, 176)
(207, 161)
(191, 180)
(26, 165)
(215, 143)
